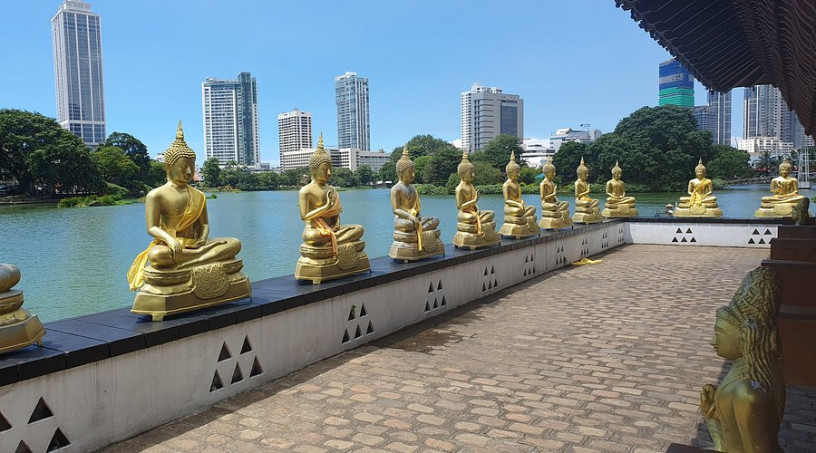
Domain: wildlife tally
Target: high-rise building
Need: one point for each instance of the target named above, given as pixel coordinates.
(766, 114)
(351, 97)
(78, 71)
(676, 84)
(486, 113)
(231, 120)
(715, 117)
(294, 131)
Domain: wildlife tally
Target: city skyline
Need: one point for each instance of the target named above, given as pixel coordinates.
(153, 72)
(353, 120)
(230, 112)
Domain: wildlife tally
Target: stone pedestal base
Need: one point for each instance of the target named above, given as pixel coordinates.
(18, 328)
(317, 264)
(555, 223)
(519, 227)
(697, 211)
(467, 238)
(621, 210)
(588, 217)
(406, 247)
(169, 292)
(796, 211)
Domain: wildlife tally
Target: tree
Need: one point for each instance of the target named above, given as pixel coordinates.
(442, 164)
(293, 176)
(156, 176)
(730, 164)
(567, 159)
(497, 151)
(486, 174)
(35, 148)
(343, 177)
(388, 172)
(421, 164)
(527, 175)
(114, 166)
(211, 172)
(133, 148)
(364, 174)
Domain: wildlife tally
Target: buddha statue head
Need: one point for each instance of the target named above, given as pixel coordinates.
(320, 163)
(700, 170)
(583, 171)
(616, 172)
(179, 159)
(405, 167)
(549, 169)
(785, 168)
(746, 328)
(465, 168)
(512, 168)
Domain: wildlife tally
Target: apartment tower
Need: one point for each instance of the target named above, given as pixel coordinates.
(351, 97)
(488, 112)
(231, 120)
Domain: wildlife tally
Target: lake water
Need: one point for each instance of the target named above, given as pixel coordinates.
(74, 261)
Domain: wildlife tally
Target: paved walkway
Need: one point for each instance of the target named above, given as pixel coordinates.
(601, 358)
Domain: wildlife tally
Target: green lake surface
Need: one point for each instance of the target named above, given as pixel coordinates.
(74, 261)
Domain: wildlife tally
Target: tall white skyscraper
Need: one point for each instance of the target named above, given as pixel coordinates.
(767, 115)
(351, 97)
(78, 71)
(716, 117)
(294, 131)
(231, 120)
(486, 113)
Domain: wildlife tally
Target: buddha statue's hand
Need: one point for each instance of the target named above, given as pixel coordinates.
(707, 400)
(176, 248)
(197, 243)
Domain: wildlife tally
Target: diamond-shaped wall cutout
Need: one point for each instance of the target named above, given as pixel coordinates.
(346, 337)
(216, 382)
(363, 311)
(225, 353)
(237, 375)
(58, 440)
(256, 368)
(22, 448)
(370, 328)
(4, 424)
(246, 347)
(42, 411)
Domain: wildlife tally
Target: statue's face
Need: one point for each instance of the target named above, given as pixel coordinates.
(616, 175)
(513, 174)
(182, 170)
(784, 171)
(322, 174)
(726, 339)
(468, 175)
(582, 174)
(408, 175)
(550, 174)
(700, 172)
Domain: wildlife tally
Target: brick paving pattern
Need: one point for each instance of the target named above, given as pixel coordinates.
(599, 358)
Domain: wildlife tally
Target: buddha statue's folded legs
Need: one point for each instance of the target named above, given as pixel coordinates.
(555, 216)
(519, 223)
(620, 207)
(216, 249)
(411, 245)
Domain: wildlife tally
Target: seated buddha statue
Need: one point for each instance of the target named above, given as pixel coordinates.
(475, 228)
(329, 250)
(617, 203)
(701, 202)
(188, 270)
(785, 201)
(554, 213)
(415, 237)
(18, 327)
(519, 219)
(587, 210)
(743, 413)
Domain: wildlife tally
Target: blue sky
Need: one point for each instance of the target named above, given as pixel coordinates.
(582, 61)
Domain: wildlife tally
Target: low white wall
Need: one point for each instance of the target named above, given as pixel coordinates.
(110, 400)
(701, 233)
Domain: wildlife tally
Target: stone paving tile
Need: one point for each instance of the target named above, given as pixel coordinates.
(602, 358)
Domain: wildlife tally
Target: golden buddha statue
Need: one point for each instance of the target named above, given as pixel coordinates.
(475, 228)
(18, 327)
(188, 270)
(329, 250)
(519, 220)
(701, 202)
(785, 201)
(415, 237)
(587, 210)
(617, 203)
(554, 213)
(743, 413)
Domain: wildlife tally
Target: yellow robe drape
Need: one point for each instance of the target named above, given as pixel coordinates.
(196, 203)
